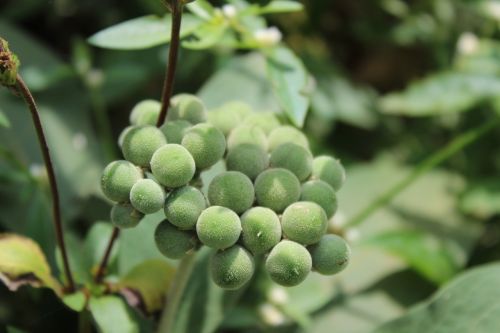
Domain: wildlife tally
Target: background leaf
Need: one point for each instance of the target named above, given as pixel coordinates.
(280, 6)
(4, 121)
(112, 315)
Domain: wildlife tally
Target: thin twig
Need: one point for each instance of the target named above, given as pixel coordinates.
(104, 263)
(56, 210)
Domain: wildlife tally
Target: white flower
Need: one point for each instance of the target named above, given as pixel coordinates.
(268, 37)
(468, 43)
(229, 11)
(278, 295)
(271, 315)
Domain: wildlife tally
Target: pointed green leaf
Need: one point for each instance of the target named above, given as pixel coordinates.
(4, 121)
(75, 301)
(201, 8)
(280, 6)
(112, 315)
(291, 83)
(23, 262)
(206, 36)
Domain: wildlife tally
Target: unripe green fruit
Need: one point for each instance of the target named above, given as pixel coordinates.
(124, 132)
(140, 142)
(264, 120)
(206, 144)
(174, 130)
(145, 112)
(244, 134)
(288, 263)
(172, 165)
(218, 227)
(261, 229)
(277, 189)
(118, 178)
(223, 119)
(172, 242)
(187, 107)
(293, 157)
(304, 222)
(231, 189)
(329, 170)
(183, 207)
(147, 196)
(284, 134)
(321, 193)
(239, 108)
(330, 255)
(249, 159)
(124, 215)
(232, 268)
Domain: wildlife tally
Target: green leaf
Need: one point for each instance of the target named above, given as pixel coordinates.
(202, 9)
(467, 304)
(75, 301)
(290, 82)
(482, 200)
(442, 93)
(141, 33)
(4, 121)
(95, 245)
(23, 262)
(146, 285)
(280, 6)
(206, 35)
(112, 315)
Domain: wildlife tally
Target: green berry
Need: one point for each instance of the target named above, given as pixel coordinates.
(245, 134)
(321, 193)
(174, 130)
(124, 215)
(249, 159)
(232, 268)
(218, 227)
(140, 142)
(118, 178)
(172, 242)
(223, 119)
(284, 134)
(233, 190)
(261, 229)
(206, 144)
(183, 207)
(241, 109)
(124, 132)
(147, 196)
(304, 222)
(288, 263)
(293, 157)
(330, 255)
(277, 189)
(264, 120)
(145, 112)
(187, 107)
(172, 165)
(329, 170)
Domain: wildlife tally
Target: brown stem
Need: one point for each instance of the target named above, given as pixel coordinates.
(172, 61)
(56, 210)
(104, 263)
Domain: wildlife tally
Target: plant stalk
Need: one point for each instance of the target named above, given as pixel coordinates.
(56, 209)
(432, 161)
(101, 271)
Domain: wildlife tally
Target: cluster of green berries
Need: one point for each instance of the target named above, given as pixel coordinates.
(273, 202)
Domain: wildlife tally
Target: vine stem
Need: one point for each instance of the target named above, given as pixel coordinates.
(23, 89)
(166, 96)
(176, 291)
(432, 161)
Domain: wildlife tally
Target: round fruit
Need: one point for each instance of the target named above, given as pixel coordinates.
(122, 135)
(293, 157)
(187, 107)
(118, 178)
(172, 242)
(218, 227)
(284, 134)
(140, 142)
(232, 268)
(147, 196)
(330, 255)
(206, 144)
(145, 112)
(183, 207)
(245, 134)
(264, 120)
(231, 189)
(249, 159)
(329, 170)
(304, 222)
(241, 109)
(223, 119)
(277, 189)
(289, 263)
(174, 130)
(172, 165)
(261, 229)
(124, 215)
(321, 193)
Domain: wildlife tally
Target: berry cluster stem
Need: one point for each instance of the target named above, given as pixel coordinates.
(101, 271)
(56, 210)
